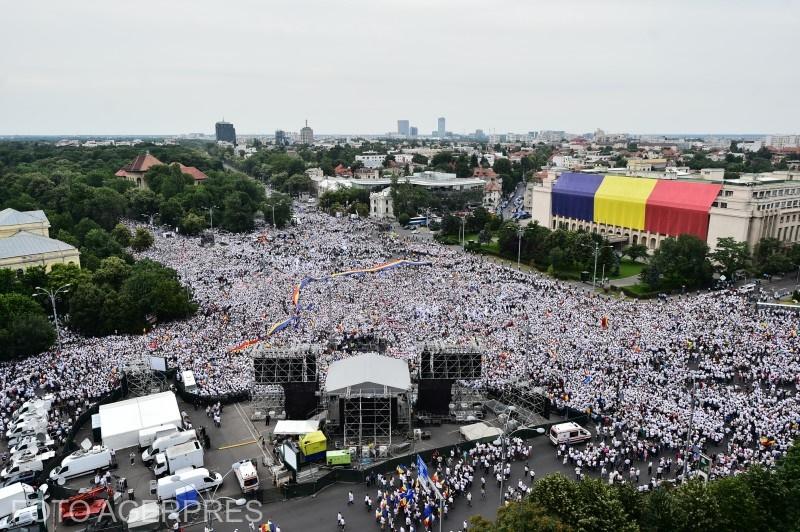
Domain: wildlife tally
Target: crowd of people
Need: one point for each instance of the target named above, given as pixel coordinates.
(634, 365)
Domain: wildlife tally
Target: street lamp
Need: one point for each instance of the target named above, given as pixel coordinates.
(52, 294)
(597, 248)
(689, 434)
(211, 217)
(149, 217)
(505, 417)
(520, 232)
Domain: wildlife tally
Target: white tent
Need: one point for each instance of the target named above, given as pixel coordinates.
(121, 422)
(293, 427)
(477, 431)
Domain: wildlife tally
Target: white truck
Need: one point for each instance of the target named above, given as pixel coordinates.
(246, 474)
(164, 442)
(83, 462)
(16, 497)
(200, 479)
(182, 456)
(149, 435)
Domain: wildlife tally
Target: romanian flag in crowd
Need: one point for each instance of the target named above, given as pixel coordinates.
(244, 345)
(604, 322)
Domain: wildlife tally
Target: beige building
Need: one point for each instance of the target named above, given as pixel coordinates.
(381, 205)
(13, 221)
(25, 242)
(747, 209)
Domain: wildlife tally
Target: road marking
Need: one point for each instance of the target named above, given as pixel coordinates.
(251, 429)
(231, 446)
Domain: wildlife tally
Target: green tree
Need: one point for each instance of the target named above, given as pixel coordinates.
(192, 224)
(112, 272)
(122, 235)
(696, 508)
(24, 327)
(681, 261)
(502, 166)
(635, 252)
(730, 256)
(451, 225)
(142, 240)
(99, 243)
(279, 206)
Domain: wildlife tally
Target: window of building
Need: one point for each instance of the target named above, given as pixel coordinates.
(723, 205)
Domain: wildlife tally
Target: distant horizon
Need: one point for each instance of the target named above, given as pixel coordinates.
(384, 134)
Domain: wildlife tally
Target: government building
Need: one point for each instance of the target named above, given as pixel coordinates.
(25, 242)
(646, 210)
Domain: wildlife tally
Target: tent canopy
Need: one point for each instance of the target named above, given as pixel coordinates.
(121, 422)
(293, 427)
(368, 373)
(477, 431)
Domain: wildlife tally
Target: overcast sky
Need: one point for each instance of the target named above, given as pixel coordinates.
(178, 66)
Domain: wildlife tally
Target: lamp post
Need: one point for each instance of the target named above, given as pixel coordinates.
(507, 417)
(52, 294)
(689, 434)
(597, 248)
(149, 217)
(520, 232)
(211, 222)
(463, 230)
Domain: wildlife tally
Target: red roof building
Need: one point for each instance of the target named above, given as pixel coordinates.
(484, 173)
(342, 171)
(134, 172)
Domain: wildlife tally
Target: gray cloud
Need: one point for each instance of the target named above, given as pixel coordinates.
(98, 67)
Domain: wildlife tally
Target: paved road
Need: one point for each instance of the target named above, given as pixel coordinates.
(318, 513)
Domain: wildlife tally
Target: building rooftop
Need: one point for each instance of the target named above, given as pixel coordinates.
(15, 217)
(25, 243)
(369, 372)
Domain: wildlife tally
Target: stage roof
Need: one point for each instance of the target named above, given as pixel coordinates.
(368, 373)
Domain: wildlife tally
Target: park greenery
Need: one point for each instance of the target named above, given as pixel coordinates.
(85, 204)
(758, 499)
(682, 263)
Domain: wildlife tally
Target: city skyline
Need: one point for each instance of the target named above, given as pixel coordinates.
(574, 66)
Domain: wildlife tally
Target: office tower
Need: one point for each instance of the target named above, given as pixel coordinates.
(402, 127)
(414, 131)
(225, 132)
(306, 135)
(281, 138)
(440, 130)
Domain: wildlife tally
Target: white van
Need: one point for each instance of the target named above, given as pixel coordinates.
(22, 466)
(23, 518)
(29, 417)
(83, 463)
(29, 426)
(571, 433)
(165, 442)
(149, 435)
(34, 405)
(200, 479)
(31, 442)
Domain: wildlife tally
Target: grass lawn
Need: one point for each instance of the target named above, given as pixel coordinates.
(628, 268)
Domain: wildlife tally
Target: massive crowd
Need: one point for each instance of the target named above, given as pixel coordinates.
(630, 363)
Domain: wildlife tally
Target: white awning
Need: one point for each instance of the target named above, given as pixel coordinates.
(294, 427)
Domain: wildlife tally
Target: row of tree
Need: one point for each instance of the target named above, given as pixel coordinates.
(756, 500)
(117, 297)
(687, 262)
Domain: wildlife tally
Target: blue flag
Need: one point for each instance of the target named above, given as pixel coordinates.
(422, 469)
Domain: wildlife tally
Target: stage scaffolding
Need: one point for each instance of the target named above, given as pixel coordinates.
(142, 379)
(530, 403)
(438, 360)
(285, 365)
(367, 421)
(265, 398)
